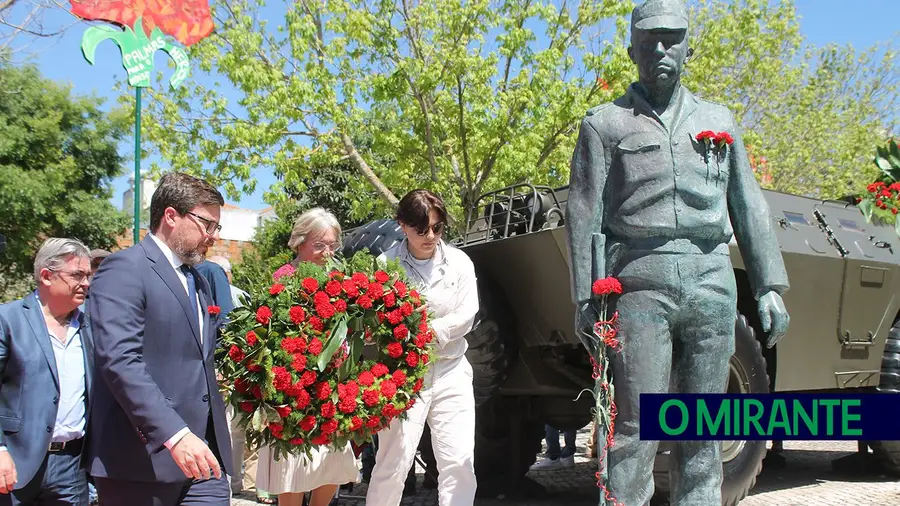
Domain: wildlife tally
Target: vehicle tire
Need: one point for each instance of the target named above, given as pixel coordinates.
(503, 456)
(741, 460)
(887, 453)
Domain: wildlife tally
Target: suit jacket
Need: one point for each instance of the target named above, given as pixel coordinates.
(153, 375)
(636, 180)
(29, 383)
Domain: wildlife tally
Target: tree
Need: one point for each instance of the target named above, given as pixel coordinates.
(58, 156)
(459, 96)
(466, 97)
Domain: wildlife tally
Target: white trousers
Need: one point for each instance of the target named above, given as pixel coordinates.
(238, 441)
(448, 405)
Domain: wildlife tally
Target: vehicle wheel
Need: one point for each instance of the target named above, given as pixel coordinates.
(489, 351)
(503, 456)
(887, 453)
(741, 460)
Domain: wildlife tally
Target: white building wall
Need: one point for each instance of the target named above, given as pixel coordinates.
(238, 224)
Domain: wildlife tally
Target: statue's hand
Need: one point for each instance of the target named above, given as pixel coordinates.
(585, 318)
(773, 316)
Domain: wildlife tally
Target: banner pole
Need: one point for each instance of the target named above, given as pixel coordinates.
(137, 164)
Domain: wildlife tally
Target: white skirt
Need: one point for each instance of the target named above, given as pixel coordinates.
(297, 473)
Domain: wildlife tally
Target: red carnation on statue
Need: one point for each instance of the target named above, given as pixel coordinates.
(606, 286)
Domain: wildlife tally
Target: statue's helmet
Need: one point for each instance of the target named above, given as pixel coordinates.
(659, 15)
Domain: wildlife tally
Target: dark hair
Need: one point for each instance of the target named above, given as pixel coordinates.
(182, 193)
(415, 206)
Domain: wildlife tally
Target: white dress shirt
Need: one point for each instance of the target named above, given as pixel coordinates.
(176, 266)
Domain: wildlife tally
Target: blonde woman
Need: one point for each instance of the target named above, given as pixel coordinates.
(315, 237)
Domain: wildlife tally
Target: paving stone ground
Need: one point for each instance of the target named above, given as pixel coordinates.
(808, 479)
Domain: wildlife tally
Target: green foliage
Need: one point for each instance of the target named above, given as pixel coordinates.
(458, 97)
(810, 113)
(58, 156)
(880, 203)
(467, 97)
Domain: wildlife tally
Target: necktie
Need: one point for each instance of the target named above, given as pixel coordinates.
(192, 291)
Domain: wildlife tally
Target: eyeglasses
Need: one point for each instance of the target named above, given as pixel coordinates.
(437, 228)
(211, 226)
(320, 246)
(78, 277)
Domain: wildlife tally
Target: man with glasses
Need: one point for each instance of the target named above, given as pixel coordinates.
(160, 436)
(46, 363)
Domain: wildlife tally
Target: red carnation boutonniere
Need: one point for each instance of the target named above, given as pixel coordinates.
(213, 310)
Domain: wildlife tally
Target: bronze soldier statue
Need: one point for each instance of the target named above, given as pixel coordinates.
(655, 207)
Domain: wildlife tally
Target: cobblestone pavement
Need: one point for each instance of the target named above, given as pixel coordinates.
(808, 479)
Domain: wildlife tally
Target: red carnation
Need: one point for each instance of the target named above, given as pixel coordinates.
(276, 429)
(282, 378)
(375, 291)
(247, 407)
(389, 411)
(414, 295)
(325, 310)
(380, 370)
(297, 315)
(340, 305)
(254, 368)
(303, 399)
(418, 385)
(366, 378)
(252, 339)
(310, 284)
(361, 280)
(263, 314)
(364, 302)
(425, 358)
(321, 298)
(347, 405)
(235, 353)
(723, 138)
(352, 388)
(308, 378)
(388, 388)
(256, 391)
(328, 410)
(276, 289)
(356, 423)
(399, 377)
(316, 323)
(395, 317)
(370, 397)
(373, 423)
(289, 345)
(301, 345)
(421, 341)
(406, 309)
(412, 359)
(381, 276)
(350, 288)
(241, 386)
(299, 362)
(401, 332)
(297, 441)
(294, 389)
(323, 391)
(333, 288)
(389, 299)
(308, 423)
(395, 350)
(213, 310)
(329, 427)
(706, 135)
(320, 440)
(400, 288)
(606, 286)
(283, 411)
(315, 346)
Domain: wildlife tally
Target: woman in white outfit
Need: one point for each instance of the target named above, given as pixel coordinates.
(446, 276)
(315, 237)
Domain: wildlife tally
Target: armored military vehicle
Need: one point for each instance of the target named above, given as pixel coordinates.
(530, 366)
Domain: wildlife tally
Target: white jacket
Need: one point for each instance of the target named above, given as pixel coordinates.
(451, 293)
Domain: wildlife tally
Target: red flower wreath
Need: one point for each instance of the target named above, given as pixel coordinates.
(291, 359)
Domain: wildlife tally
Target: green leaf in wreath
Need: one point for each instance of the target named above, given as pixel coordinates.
(866, 207)
(258, 422)
(335, 340)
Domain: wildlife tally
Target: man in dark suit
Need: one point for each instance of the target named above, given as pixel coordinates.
(46, 359)
(159, 434)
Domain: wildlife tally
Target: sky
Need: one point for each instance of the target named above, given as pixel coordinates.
(860, 23)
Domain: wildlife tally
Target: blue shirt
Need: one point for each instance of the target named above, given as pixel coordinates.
(70, 414)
